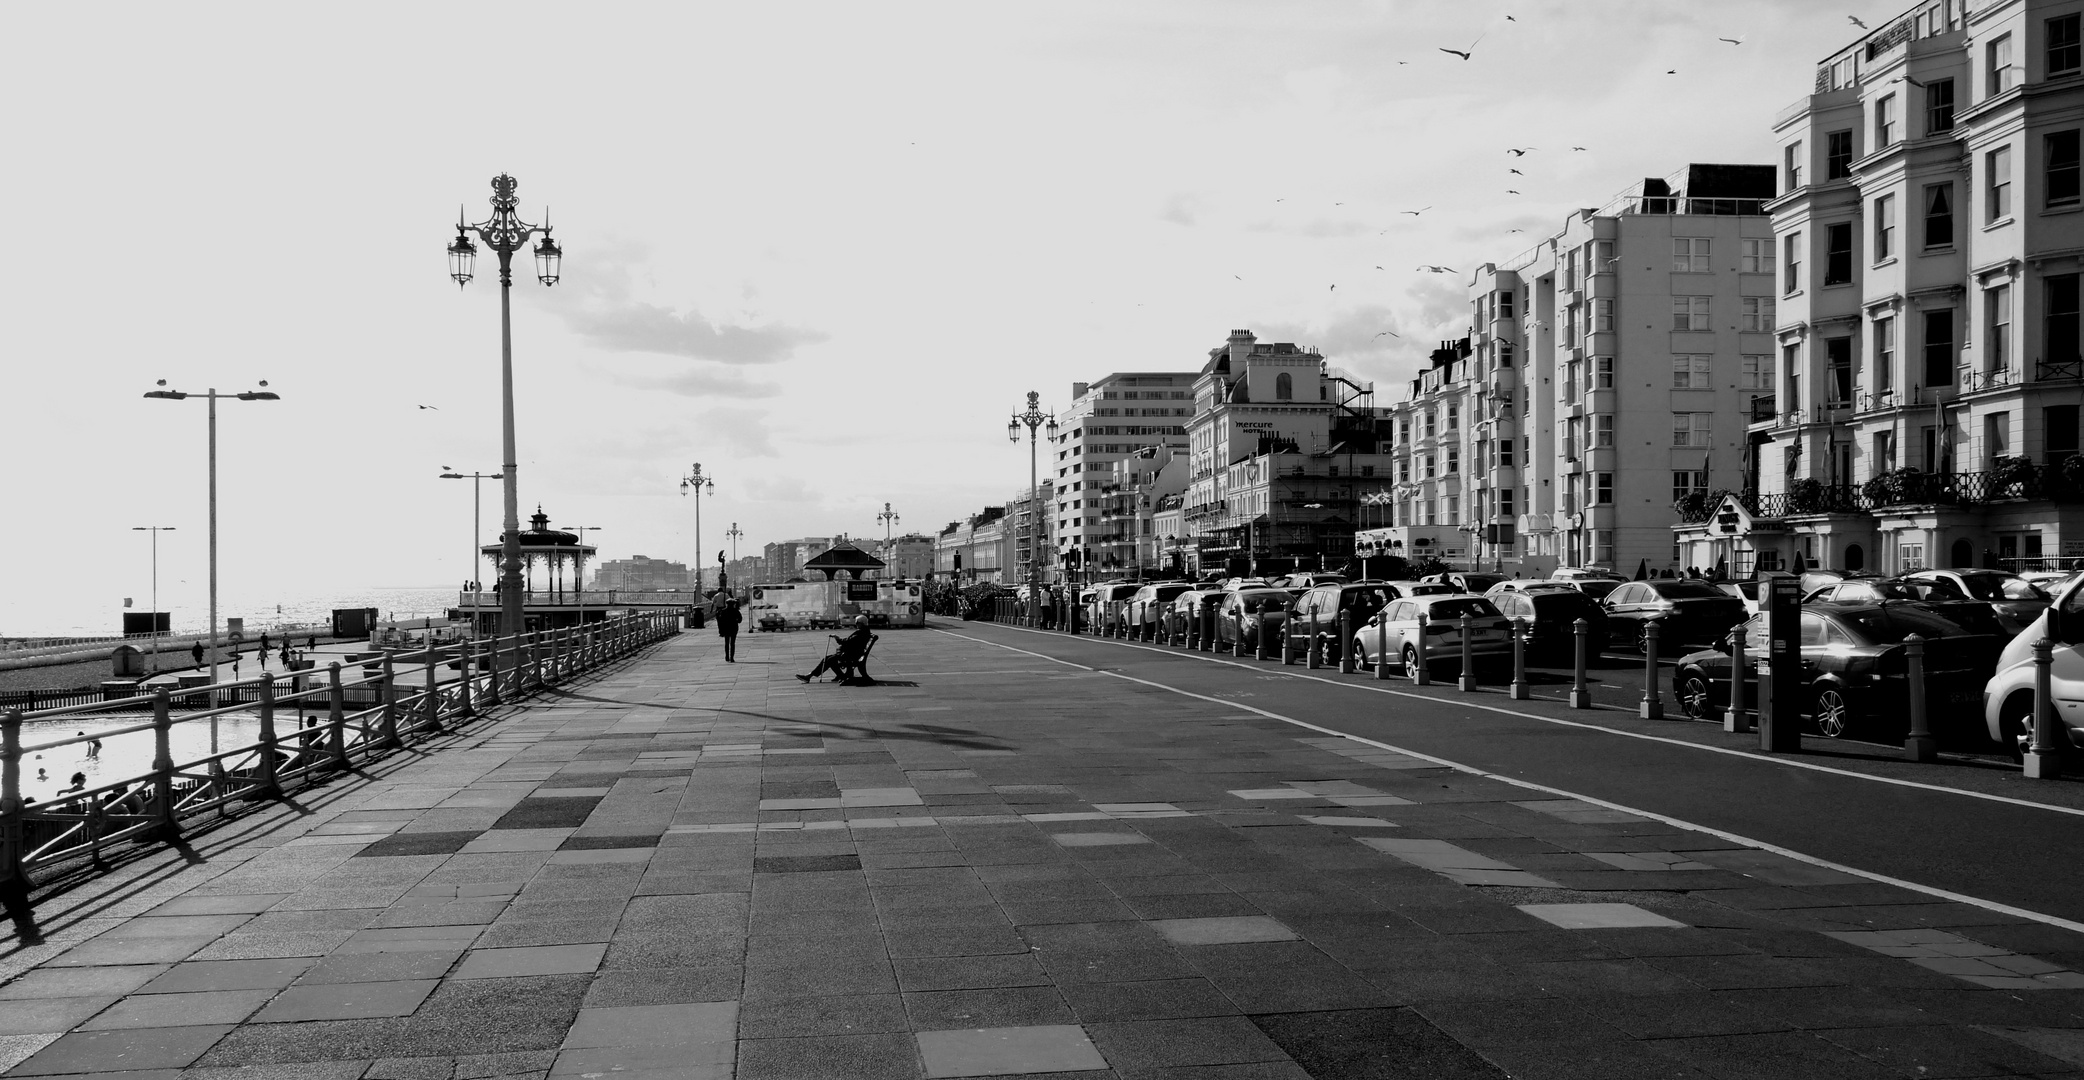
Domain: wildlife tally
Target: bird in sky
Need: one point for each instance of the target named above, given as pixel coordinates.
(1509, 18)
(1238, 278)
(1335, 288)
(1577, 148)
(1515, 172)
(1908, 79)
(1520, 151)
(1509, 191)
(429, 407)
(1338, 204)
(1415, 213)
(1673, 71)
(1280, 200)
(1378, 266)
(1855, 21)
(1733, 40)
(1437, 270)
(1392, 333)
(1457, 52)
(1515, 230)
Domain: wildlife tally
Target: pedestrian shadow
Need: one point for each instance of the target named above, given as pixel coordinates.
(960, 738)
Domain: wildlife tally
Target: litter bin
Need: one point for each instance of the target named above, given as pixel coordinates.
(695, 618)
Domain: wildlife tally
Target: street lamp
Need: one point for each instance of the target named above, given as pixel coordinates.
(734, 532)
(888, 517)
(700, 485)
(1034, 418)
(1252, 516)
(504, 232)
(477, 587)
(155, 530)
(580, 562)
(212, 396)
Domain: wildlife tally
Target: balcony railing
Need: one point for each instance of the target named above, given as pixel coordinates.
(1901, 487)
(2072, 368)
(1972, 381)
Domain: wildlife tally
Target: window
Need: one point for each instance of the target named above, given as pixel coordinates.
(1284, 387)
(1793, 244)
(1884, 455)
(1430, 512)
(1884, 227)
(1603, 489)
(1884, 354)
(1939, 215)
(1690, 372)
(1604, 365)
(1997, 430)
(1910, 557)
(2064, 54)
(2058, 433)
(1430, 417)
(1838, 370)
(1603, 546)
(1838, 254)
(1603, 429)
(1997, 348)
(1430, 466)
(1998, 172)
(1404, 429)
(1505, 304)
(1693, 428)
(1690, 255)
(1687, 481)
(1690, 313)
(1755, 374)
(1454, 417)
(1997, 58)
(1885, 121)
(1403, 471)
(1367, 470)
(1603, 316)
(1505, 502)
(1454, 460)
(1939, 347)
(1939, 106)
(1837, 155)
(1757, 257)
(1758, 314)
(2060, 343)
(2059, 155)
(1526, 451)
(1794, 165)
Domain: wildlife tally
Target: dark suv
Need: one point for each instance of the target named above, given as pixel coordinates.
(1363, 599)
(1687, 613)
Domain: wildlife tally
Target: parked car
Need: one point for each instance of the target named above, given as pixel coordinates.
(1688, 612)
(1552, 616)
(1145, 603)
(1582, 573)
(1490, 643)
(1308, 580)
(1747, 591)
(1526, 585)
(1239, 614)
(2008, 696)
(1363, 599)
(1469, 581)
(1974, 616)
(1597, 588)
(2048, 581)
(1853, 669)
(2017, 602)
(1813, 579)
(1186, 609)
(1400, 589)
(1107, 609)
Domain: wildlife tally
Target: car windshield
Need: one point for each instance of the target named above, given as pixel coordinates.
(1558, 602)
(1995, 587)
(1888, 624)
(1426, 588)
(1476, 607)
(1167, 592)
(1685, 590)
(1263, 601)
(1480, 582)
(1597, 588)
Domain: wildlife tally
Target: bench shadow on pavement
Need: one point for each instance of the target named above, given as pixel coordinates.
(960, 738)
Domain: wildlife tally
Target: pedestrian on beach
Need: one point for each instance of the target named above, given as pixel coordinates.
(311, 642)
(264, 641)
(197, 652)
(79, 783)
(285, 654)
(727, 622)
(94, 747)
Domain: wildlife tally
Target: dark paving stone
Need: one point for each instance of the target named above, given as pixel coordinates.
(1167, 999)
(228, 975)
(795, 981)
(118, 1051)
(1023, 1006)
(1744, 972)
(838, 1014)
(1593, 1061)
(1482, 1024)
(968, 972)
(804, 864)
(1667, 1016)
(1773, 1054)
(414, 1068)
(418, 843)
(1254, 1070)
(667, 950)
(1026, 913)
(1205, 1040)
(564, 812)
(382, 967)
(1935, 1052)
(956, 941)
(665, 986)
(617, 840)
(1373, 1044)
(495, 1016)
(488, 1066)
(829, 1057)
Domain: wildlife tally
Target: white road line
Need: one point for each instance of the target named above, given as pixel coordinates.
(1677, 823)
(1792, 763)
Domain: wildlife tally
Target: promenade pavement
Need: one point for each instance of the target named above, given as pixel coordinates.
(992, 865)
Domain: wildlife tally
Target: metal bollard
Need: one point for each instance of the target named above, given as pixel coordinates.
(1520, 690)
(1345, 642)
(1191, 629)
(388, 725)
(1382, 643)
(1652, 707)
(1737, 718)
(1263, 646)
(266, 782)
(1422, 667)
(163, 764)
(433, 698)
(1208, 630)
(1920, 745)
(492, 671)
(1287, 644)
(1313, 649)
(1580, 687)
(2043, 757)
(336, 717)
(1237, 634)
(1467, 680)
(12, 879)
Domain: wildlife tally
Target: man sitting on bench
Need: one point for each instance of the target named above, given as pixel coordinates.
(849, 654)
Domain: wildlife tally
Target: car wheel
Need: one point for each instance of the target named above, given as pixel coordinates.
(1693, 697)
(1411, 662)
(2012, 721)
(1833, 715)
(1360, 654)
(1642, 637)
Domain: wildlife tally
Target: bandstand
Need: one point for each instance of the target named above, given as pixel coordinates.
(556, 598)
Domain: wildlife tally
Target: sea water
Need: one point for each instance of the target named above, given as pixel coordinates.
(128, 757)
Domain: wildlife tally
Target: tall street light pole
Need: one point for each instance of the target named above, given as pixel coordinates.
(1252, 515)
(212, 395)
(734, 532)
(1034, 418)
(888, 517)
(698, 484)
(582, 530)
(505, 233)
(477, 519)
(155, 530)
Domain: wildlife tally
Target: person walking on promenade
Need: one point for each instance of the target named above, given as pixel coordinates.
(264, 643)
(285, 654)
(727, 622)
(197, 652)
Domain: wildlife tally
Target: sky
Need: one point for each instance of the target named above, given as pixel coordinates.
(823, 249)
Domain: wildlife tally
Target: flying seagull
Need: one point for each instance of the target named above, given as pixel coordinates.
(1415, 213)
(1509, 191)
(1856, 22)
(1515, 172)
(1335, 288)
(1908, 79)
(1577, 148)
(429, 407)
(1521, 151)
(1391, 333)
(1673, 71)
(1733, 40)
(1457, 52)
(1437, 270)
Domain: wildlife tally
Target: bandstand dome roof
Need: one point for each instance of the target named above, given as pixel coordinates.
(539, 534)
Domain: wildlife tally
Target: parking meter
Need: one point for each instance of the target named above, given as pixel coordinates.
(1780, 677)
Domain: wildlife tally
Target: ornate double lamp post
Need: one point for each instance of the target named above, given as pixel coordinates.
(888, 517)
(1033, 418)
(699, 485)
(505, 233)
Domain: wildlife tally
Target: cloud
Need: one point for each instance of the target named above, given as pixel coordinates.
(1181, 209)
(1316, 228)
(698, 382)
(600, 306)
(742, 433)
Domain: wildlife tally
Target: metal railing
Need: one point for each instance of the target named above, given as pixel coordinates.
(160, 804)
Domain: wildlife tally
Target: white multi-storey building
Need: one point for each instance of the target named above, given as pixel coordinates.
(1110, 418)
(1931, 234)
